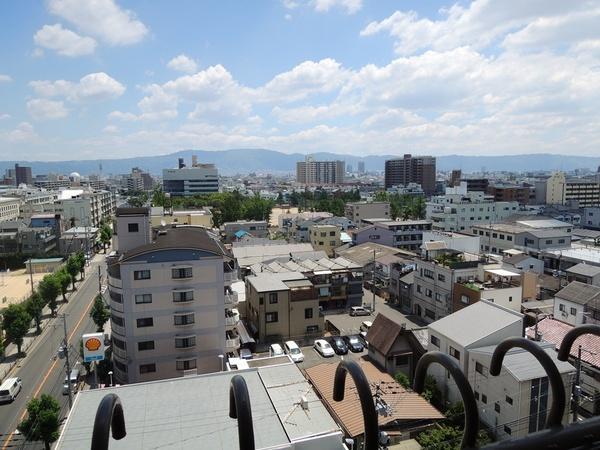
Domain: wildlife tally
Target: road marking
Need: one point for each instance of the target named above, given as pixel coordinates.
(36, 393)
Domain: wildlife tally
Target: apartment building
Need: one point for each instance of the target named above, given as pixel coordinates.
(523, 195)
(169, 311)
(23, 175)
(357, 211)
(499, 286)
(83, 207)
(456, 241)
(317, 173)
(591, 217)
(9, 208)
(402, 234)
(235, 230)
(578, 304)
(199, 217)
(187, 181)
(325, 237)
(282, 306)
(460, 209)
(562, 191)
(419, 169)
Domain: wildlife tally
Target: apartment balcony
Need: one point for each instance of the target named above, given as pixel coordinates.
(231, 299)
(120, 353)
(115, 282)
(232, 344)
(230, 277)
(231, 322)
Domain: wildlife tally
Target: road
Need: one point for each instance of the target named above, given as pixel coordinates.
(41, 371)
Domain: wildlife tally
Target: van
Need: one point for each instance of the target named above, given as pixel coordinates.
(74, 376)
(292, 349)
(10, 389)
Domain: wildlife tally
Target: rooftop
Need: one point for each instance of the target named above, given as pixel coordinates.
(584, 269)
(363, 254)
(590, 255)
(475, 322)
(580, 293)
(269, 281)
(251, 254)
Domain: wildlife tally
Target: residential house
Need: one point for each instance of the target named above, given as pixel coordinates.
(578, 303)
(584, 273)
(199, 217)
(325, 237)
(499, 286)
(256, 228)
(523, 262)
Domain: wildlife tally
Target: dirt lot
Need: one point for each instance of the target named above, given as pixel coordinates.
(15, 287)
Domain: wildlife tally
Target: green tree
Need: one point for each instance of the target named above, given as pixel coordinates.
(64, 280)
(35, 306)
(80, 258)
(105, 236)
(49, 288)
(99, 313)
(431, 392)
(441, 438)
(381, 196)
(16, 324)
(72, 268)
(42, 422)
(1, 346)
(455, 413)
(402, 379)
(158, 197)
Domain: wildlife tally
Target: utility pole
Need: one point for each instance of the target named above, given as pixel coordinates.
(67, 363)
(31, 276)
(373, 281)
(99, 280)
(577, 387)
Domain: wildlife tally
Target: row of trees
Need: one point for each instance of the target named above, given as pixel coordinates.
(320, 200)
(17, 317)
(403, 207)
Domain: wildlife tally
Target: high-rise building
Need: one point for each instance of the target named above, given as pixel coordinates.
(188, 181)
(23, 175)
(563, 191)
(409, 169)
(361, 167)
(313, 172)
(455, 178)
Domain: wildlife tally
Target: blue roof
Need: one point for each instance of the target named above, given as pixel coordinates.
(241, 234)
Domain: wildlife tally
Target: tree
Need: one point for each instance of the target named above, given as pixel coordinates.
(49, 288)
(42, 422)
(16, 324)
(64, 280)
(72, 268)
(35, 306)
(381, 196)
(105, 236)
(402, 379)
(431, 392)
(441, 438)
(1, 346)
(99, 313)
(158, 197)
(80, 258)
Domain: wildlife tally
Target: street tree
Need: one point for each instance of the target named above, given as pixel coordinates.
(35, 306)
(64, 280)
(42, 422)
(105, 236)
(80, 258)
(99, 313)
(72, 268)
(16, 324)
(49, 288)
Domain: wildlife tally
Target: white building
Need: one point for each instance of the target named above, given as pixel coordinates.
(577, 303)
(357, 211)
(455, 241)
(591, 217)
(9, 208)
(562, 191)
(188, 181)
(311, 172)
(459, 209)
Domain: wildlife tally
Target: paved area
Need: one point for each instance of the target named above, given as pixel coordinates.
(313, 358)
(15, 286)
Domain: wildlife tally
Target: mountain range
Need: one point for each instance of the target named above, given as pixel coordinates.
(243, 161)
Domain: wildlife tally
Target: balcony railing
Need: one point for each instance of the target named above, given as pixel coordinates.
(230, 277)
(231, 321)
(231, 299)
(232, 344)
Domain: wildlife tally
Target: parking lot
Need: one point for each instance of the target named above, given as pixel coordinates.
(313, 358)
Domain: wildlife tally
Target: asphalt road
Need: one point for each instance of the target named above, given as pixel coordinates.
(41, 371)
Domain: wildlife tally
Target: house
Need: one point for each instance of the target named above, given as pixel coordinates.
(523, 263)
(584, 273)
(401, 287)
(325, 237)
(578, 303)
(392, 347)
(405, 234)
(256, 228)
(478, 325)
(499, 286)
(515, 403)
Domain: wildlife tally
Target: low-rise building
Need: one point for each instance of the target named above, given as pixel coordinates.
(357, 211)
(499, 286)
(9, 208)
(232, 231)
(406, 234)
(77, 239)
(578, 303)
(584, 273)
(197, 217)
(591, 217)
(523, 262)
(325, 237)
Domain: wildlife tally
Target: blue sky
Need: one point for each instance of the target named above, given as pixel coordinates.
(114, 78)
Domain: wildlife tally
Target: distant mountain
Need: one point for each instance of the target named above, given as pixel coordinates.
(244, 161)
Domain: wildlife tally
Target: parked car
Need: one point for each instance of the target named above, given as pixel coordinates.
(74, 376)
(323, 347)
(10, 389)
(354, 343)
(359, 311)
(245, 353)
(275, 350)
(292, 349)
(338, 345)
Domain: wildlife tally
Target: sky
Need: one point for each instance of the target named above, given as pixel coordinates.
(121, 78)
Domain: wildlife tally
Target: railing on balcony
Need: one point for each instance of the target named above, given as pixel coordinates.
(231, 321)
(230, 277)
(232, 343)
(231, 298)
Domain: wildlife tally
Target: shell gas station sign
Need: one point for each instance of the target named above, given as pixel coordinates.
(93, 347)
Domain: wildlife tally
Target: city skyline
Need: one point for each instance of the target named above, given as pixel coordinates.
(346, 76)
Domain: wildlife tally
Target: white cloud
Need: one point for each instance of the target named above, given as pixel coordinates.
(351, 6)
(4, 78)
(92, 87)
(4, 116)
(110, 129)
(65, 42)
(288, 17)
(290, 4)
(120, 115)
(23, 133)
(183, 63)
(103, 19)
(44, 109)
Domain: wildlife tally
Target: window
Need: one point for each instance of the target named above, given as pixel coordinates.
(494, 235)
(147, 368)
(187, 364)
(183, 296)
(183, 319)
(562, 307)
(507, 429)
(419, 288)
(509, 238)
(510, 298)
(429, 314)
(476, 395)
(308, 313)
(323, 234)
(271, 317)
(435, 340)
(574, 311)
(497, 407)
(428, 273)
(145, 322)
(465, 299)
(143, 298)
(119, 365)
(454, 353)
(312, 329)
(182, 272)
(441, 277)
(145, 345)
(479, 368)
(561, 241)
(119, 343)
(186, 342)
(272, 298)
(332, 243)
(332, 233)
(402, 360)
(133, 227)
(548, 241)
(509, 400)
(116, 320)
(484, 398)
(428, 293)
(438, 297)
(141, 275)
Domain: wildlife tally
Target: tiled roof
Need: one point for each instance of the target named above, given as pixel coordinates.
(383, 333)
(578, 292)
(584, 269)
(405, 405)
(554, 331)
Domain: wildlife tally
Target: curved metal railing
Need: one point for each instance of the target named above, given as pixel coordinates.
(240, 409)
(109, 415)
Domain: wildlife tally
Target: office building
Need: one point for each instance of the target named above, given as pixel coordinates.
(23, 175)
(171, 310)
(524, 195)
(311, 172)
(187, 181)
(9, 208)
(577, 191)
(409, 169)
(357, 211)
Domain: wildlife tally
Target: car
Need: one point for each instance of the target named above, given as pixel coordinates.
(245, 353)
(359, 311)
(338, 345)
(365, 325)
(275, 350)
(323, 347)
(292, 349)
(10, 389)
(354, 343)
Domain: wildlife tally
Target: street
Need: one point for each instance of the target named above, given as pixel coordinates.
(41, 371)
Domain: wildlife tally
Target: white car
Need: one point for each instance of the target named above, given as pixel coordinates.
(323, 347)
(292, 349)
(275, 350)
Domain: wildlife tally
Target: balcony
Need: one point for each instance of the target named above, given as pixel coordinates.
(120, 353)
(231, 322)
(231, 299)
(230, 277)
(232, 344)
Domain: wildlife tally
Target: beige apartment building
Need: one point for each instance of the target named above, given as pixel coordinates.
(282, 306)
(358, 211)
(325, 237)
(198, 217)
(171, 310)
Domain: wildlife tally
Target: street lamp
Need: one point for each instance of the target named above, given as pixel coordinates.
(222, 358)
(110, 374)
